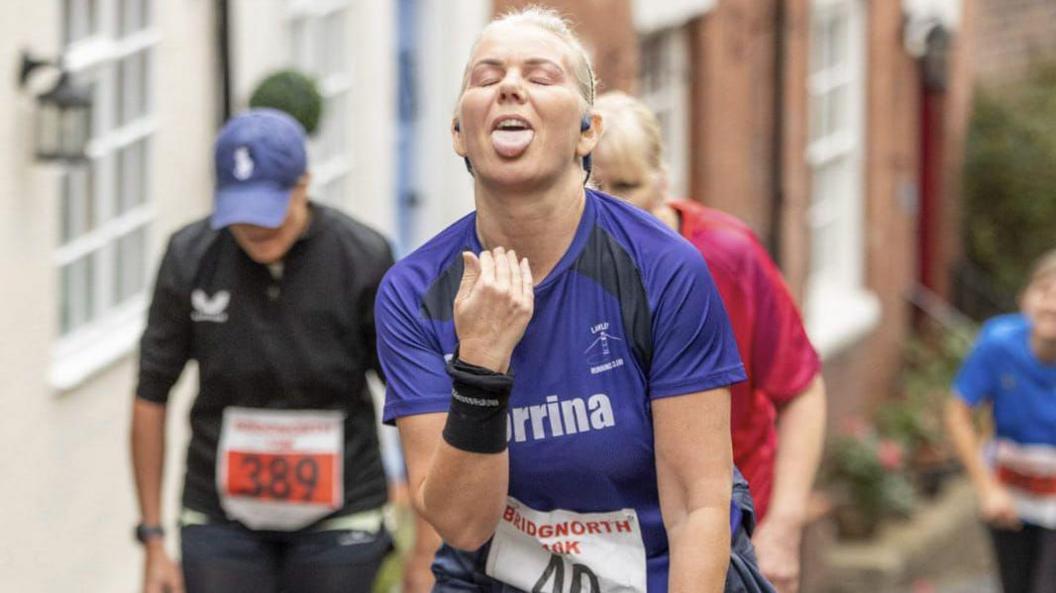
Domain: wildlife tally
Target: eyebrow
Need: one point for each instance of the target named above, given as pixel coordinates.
(529, 62)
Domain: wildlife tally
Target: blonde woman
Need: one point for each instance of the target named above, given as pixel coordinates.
(558, 363)
(1012, 370)
(778, 415)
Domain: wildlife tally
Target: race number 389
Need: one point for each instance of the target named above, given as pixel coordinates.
(280, 469)
(288, 477)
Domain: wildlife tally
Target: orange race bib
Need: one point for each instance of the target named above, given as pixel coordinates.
(280, 469)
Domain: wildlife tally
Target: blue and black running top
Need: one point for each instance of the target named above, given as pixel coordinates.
(629, 314)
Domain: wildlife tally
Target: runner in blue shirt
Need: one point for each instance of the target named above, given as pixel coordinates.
(1013, 369)
(565, 422)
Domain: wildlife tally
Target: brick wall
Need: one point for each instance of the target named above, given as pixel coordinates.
(732, 98)
(606, 28)
(1010, 34)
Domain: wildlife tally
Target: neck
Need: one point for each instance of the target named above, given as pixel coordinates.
(667, 215)
(537, 223)
(1044, 350)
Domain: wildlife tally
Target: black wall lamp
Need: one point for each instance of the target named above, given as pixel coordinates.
(62, 123)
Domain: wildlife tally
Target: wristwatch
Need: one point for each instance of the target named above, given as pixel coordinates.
(144, 533)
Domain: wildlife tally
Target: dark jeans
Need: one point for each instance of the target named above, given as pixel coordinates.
(1026, 559)
(229, 558)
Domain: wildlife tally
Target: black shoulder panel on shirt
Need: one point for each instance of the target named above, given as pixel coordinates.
(608, 263)
(189, 245)
(438, 302)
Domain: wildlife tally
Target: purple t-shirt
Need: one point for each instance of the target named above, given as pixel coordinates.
(628, 315)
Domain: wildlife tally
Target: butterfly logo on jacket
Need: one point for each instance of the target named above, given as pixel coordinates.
(212, 309)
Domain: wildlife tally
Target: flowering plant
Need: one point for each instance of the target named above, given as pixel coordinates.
(867, 473)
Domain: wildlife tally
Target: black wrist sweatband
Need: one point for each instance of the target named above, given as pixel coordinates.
(476, 421)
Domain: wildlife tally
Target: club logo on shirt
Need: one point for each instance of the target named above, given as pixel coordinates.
(599, 353)
(208, 308)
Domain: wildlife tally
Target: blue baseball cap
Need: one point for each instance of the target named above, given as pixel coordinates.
(260, 155)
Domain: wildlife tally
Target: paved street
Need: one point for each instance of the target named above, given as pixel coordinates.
(958, 584)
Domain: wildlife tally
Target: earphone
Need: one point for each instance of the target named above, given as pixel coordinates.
(588, 164)
(584, 125)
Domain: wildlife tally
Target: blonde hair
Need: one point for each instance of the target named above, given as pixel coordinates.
(632, 131)
(549, 20)
(1043, 266)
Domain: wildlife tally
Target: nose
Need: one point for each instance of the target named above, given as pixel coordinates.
(512, 87)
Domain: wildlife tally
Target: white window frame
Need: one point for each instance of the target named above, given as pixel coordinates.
(839, 308)
(669, 99)
(331, 149)
(114, 327)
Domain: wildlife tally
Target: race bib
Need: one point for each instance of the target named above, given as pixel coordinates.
(280, 469)
(1029, 473)
(567, 552)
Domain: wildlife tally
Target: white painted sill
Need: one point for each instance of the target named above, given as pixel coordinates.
(78, 357)
(839, 318)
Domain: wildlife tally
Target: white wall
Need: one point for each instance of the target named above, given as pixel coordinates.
(261, 43)
(67, 494)
(447, 32)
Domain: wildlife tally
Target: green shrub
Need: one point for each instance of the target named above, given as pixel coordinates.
(1010, 179)
(294, 93)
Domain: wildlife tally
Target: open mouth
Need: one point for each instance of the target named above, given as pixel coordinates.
(511, 135)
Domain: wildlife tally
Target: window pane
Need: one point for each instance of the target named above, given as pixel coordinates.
(131, 16)
(332, 54)
(817, 113)
(78, 203)
(132, 162)
(838, 39)
(837, 116)
(130, 265)
(147, 13)
(132, 88)
(817, 46)
(301, 40)
(80, 19)
(77, 279)
(98, 80)
(333, 137)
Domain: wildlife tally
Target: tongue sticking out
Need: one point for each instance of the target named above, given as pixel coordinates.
(511, 143)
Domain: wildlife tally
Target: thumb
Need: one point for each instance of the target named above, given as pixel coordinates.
(470, 273)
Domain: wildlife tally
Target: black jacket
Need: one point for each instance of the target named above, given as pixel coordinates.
(302, 341)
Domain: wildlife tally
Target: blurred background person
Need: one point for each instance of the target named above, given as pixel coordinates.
(1011, 373)
(778, 415)
(272, 295)
(298, 95)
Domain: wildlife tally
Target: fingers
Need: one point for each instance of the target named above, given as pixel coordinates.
(527, 283)
(487, 268)
(502, 270)
(470, 274)
(515, 274)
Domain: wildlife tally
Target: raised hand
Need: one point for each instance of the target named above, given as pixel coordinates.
(493, 307)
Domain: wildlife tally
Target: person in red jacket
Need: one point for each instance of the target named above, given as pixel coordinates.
(778, 415)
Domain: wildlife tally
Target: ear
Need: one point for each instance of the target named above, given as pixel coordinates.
(456, 137)
(589, 136)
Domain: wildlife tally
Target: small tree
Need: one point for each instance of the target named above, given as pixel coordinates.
(292, 92)
(1010, 179)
